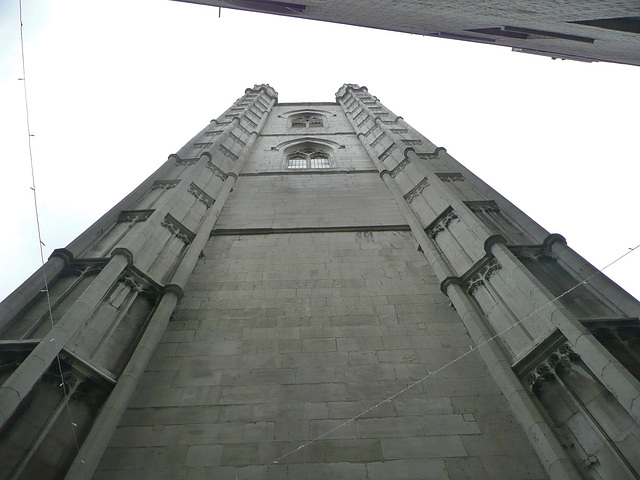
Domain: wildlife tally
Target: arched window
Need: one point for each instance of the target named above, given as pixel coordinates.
(308, 156)
(307, 120)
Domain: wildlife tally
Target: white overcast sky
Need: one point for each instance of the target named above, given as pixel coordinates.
(116, 86)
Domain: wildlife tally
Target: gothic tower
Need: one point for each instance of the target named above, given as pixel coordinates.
(315, 290)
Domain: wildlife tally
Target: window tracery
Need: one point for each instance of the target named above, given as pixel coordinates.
(307, 120)
(308, 157)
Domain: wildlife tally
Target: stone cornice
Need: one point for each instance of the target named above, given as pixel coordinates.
(265, 88)
(64, 254)
(344, 89)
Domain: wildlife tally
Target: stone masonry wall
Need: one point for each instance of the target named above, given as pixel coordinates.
(281, 338)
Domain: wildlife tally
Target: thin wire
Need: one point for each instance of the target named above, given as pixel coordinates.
(434, 372)
(41, 244)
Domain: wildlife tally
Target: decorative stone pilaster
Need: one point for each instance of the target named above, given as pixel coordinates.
(411, 195)
(483, 275)
(177, 229)
(450, 177)
(560, 359)
(441, 223)
(200, 195)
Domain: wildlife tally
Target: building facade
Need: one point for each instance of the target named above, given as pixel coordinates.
(582, 30)
(317, 290)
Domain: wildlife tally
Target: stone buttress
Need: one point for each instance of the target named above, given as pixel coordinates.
(317, 290)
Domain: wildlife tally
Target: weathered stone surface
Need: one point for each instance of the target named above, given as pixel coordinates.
(309, 380)
(313, 338)
(307, 337)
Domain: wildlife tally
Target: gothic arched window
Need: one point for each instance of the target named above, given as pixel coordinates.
(307, 120)
(308, 156)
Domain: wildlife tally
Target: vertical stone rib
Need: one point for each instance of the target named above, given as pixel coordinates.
(31, 287)
(554, 459)
(23, 379)
(98, 439)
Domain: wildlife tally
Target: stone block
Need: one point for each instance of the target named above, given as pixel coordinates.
(289, 345)
(239, 454)
(156, 397)
(145, 436)
(449, 425)
(441, 446)
(203, 455)
(319, 345)
(293, 452)
(466, 468)
(332, 429)
(134, 458)
(389, 427)
(289, 411)
(519, 467)
(335, 471)
(352, 450)
(205, 434)
(292, 430)
(414, 469)
(259, 432)
(495, 444)
(143, 474)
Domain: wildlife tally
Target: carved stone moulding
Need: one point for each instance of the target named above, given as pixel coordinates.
(355, 90)
(85, 266)
(482, 206)
(139, 282)
(178, 229)
(200, 145)
(377, 140)
(371, 129)
(384, 155)
(244, 130)
(533, 252)
(400, 167)
(250, 114)
(164, 184)
(544, 361)
(411, 195)
(228, 153)
(560, 359)
(216, 171)
(434, 154)
(96, 383)
(237, 139)
(260, 103)
(363, 121)
(361, 112)
(129, 216)
(450, 177)
(481, 276)
(183, 161)
(200, 195)
(250, 122)
(441, 222)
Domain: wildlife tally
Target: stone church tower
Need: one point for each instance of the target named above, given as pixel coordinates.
(315, 290)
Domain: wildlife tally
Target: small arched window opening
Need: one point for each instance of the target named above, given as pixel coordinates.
(308, 156)
(308, 120)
